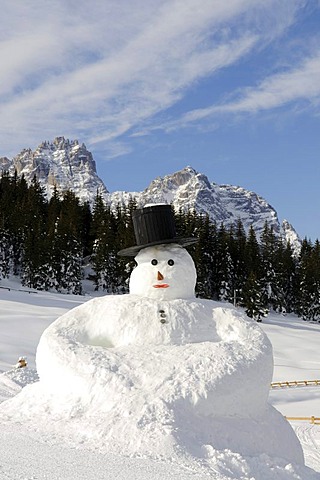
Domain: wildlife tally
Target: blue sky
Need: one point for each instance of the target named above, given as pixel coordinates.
(231, 88)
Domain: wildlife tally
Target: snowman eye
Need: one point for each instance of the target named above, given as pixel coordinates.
(154, 262)
(170, 262)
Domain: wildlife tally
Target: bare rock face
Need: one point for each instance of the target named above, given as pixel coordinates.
(67, 165)
(63, 163)
(187, 190)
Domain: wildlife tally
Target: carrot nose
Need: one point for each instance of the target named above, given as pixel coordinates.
(160, 276)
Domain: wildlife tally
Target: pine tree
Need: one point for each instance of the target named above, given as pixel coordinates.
(34, 236)
(308, 305)
(237, 246)
(125, 237)
(71, 267)
(252, 300)
(116, 227)
(98, 235)
(315, 274)
(66, 247)
(109, 231)
(286, 266)
(205, 257)
(224, 267)
(6, 253)
(269, 266)
(252, 253)
(12, 192)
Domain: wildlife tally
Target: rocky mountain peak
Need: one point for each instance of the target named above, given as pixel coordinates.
(290, 234)
(188, 189)
(62, 163)
(186, 176)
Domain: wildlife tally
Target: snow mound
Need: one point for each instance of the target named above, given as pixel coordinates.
(14, 380)
(187, 382)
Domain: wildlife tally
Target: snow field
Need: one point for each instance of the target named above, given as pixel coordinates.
(224, 464)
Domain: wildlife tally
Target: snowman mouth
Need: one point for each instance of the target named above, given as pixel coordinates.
(161, 285)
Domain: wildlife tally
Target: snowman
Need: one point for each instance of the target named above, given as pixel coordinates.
(159, 370)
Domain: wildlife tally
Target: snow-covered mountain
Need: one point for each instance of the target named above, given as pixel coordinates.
(189, 190)
(62, 163)
(68, 165)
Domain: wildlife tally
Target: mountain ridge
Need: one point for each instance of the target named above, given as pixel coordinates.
(68, 165)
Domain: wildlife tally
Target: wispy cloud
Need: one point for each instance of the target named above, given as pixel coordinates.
(300, 83)
(99, 71)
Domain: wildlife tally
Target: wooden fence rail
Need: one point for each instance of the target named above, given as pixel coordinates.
(313, 420)
(296, 383)
(18, 289)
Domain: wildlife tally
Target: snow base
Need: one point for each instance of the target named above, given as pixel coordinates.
(161, 391)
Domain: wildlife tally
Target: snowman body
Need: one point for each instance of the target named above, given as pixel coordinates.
(166, 366)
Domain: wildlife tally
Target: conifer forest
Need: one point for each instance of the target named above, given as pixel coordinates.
(49, 244)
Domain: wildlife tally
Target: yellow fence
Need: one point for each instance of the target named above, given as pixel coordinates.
(313, 420)
(296, 383)
(299, 383)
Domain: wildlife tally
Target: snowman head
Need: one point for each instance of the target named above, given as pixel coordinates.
(163, 272)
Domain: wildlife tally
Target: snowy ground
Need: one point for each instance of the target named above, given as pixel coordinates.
(27, 455)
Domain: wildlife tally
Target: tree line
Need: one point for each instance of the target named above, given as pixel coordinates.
(49, 244)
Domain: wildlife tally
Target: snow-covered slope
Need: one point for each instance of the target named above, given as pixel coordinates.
(69, 165)
(51, 456)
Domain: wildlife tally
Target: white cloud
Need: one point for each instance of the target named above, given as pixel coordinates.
(98, 70)
(301, 83)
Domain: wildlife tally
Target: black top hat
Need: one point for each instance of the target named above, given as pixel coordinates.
(154, 225)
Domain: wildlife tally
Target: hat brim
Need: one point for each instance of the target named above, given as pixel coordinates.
(132, 251)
